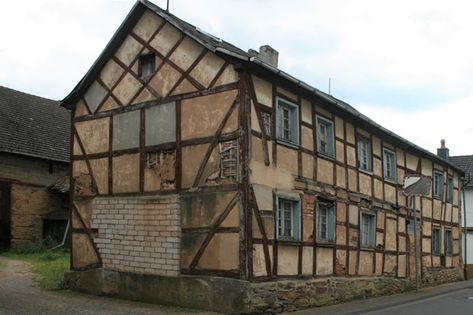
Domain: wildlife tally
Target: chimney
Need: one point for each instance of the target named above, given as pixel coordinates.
(266, 54)
(443, 152)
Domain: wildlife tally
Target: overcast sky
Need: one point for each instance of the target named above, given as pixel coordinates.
(408, 65)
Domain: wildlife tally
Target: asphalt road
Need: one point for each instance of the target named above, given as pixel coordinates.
(18, 296)
(454, 303)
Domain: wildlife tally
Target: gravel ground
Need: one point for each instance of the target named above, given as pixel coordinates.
(19, 296)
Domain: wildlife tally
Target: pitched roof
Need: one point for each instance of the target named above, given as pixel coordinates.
(220, 46)
(34, 126)
(465, 162)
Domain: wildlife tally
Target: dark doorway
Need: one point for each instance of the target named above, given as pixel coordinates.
(4, 216)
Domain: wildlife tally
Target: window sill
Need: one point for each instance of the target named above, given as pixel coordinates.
(391, 180)
(325, 156)
(291, 145)
(293, 242)
(367, 172)
(368, 248)
(325, 243)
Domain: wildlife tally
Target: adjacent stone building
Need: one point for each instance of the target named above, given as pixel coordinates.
(34, 154)
(204, 176)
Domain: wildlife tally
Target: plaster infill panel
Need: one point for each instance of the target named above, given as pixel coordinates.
(201, 116)
(288, 260)
(207, 69)
(83, 253)
(222, 253)
(229, 75)
(263, 91)
(147, 25)
(287, 159)
(203, 210)
(94, 135)
(324, 257)
(126, 174)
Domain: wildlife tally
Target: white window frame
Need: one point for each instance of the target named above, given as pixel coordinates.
(365, 156)
(326, 222)
(292, 130)
(329, 135)
(390, 167)
(437, 187)
(282, 219)
(367, 237)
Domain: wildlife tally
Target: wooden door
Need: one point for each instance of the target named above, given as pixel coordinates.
(4, 216)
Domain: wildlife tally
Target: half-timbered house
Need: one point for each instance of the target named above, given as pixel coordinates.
(202, 175)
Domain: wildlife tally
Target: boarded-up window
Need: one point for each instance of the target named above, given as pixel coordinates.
(229, 159)
(160, 124)
(126, 130)
(267, 124)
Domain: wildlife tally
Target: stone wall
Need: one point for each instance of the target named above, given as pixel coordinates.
(436, 276)
(138, 234)
(290, 295)
(31, 170)
(28, 206)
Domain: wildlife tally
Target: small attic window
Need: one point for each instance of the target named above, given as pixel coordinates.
(146, 66)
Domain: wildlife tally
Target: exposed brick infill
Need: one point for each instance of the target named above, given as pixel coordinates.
(139, 234)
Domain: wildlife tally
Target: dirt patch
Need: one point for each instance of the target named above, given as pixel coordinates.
(18, 295)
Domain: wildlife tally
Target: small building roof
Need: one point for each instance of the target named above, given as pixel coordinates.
(465, 162)
(33, 126)
(222, 47)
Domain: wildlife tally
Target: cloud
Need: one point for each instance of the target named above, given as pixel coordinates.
(402, 60)
(426, 127)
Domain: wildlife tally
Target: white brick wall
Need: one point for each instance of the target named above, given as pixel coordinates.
(139, 234)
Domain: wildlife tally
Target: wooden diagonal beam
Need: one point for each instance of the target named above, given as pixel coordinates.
(214, 227)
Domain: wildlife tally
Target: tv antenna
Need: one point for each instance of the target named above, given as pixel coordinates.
(167, 6)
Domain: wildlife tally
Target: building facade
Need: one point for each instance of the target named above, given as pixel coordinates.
(465, 162)
(34, 145)
(204, 176)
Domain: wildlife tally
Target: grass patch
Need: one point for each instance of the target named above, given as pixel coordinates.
(48, 265)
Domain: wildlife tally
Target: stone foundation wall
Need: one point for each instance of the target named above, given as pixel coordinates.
(139, 234)
(432, 277)
(231, 295)
(290, 295)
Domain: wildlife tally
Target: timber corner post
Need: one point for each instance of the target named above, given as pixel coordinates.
(246, 260)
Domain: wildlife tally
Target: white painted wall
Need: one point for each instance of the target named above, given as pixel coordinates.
(469, 223)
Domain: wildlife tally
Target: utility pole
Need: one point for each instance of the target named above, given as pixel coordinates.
(416, 247)
(416, 185)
